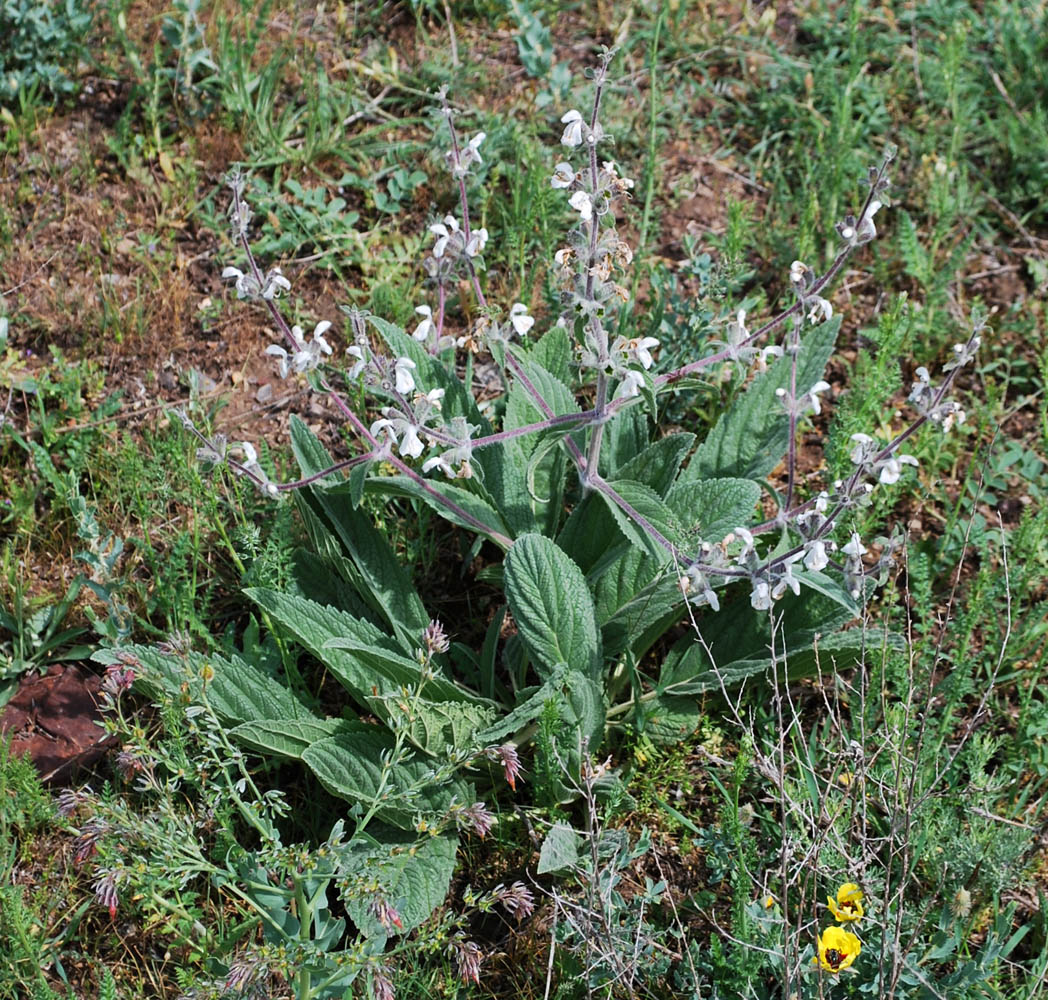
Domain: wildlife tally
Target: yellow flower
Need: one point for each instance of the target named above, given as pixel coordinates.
(848, 904)
(838, 948)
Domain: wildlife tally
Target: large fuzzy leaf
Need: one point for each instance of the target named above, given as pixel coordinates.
(366, 662)
(236, 690)
(352, 766)
(653, 509)
(291, 737)
(713, 507)
(410, 875)
(552, 606)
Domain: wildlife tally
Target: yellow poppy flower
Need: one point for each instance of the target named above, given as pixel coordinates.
(838, 948)
(848, 904)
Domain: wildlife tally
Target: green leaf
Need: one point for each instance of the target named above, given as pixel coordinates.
(351, 766)
(236, 690)
(553, 352)
(366, 662)
(591, 538)
(474, 505)
(560, 849)
(739, 639)
(636, 602)
(585, 709)
(439, 725)
(650, 506)
(291, 737)
(625, 437)
(657, 465)
(412, 876)
(669, 720)
(751, 436)
(713, 507)
(311, 455)
(375, 571)
(552, 606)
(526, 711)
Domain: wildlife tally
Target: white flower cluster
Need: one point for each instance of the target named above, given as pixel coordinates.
(802, 278)
(304, 357)
(855, 234)
(460, 160)
(799, 405)
(452, 242)
(887, 469)
(273, 283)
(923, 395)
(734, 343)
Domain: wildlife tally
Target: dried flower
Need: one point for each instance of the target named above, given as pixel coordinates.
(961, 904)
(467, 958)
(517, 899)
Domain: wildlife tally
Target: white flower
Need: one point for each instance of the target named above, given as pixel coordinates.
(864, 449)
(438, 462)
(434, 397)
(563, 175)
(277, 351)
(478, 239)
(573, 131)
(798, 269)
(746, 537)
(411, 444)
(760, 598)
(866, 229)
(815, 556)
(405, 382)
(772, 351)
(736, 329)
(580, 201)
(632, 381)
(854, 549)
(443, 231)
(518, 316)
(641, 350)
(891, 468)
(813, 395)
(472, 151)
(696, 587)
(563, 256)
(400, 432)
(275, 284)
(423, 329)
(250, 455)
(787, 579)
(360, 364)
(819, 305)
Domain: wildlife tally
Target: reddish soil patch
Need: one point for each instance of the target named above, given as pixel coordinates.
(55, 720)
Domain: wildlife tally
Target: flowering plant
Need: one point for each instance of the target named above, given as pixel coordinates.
(612, 532)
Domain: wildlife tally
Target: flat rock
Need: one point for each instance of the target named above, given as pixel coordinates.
(54, 719)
